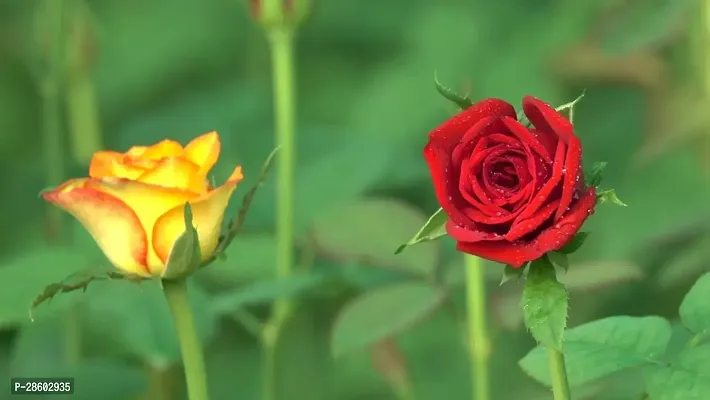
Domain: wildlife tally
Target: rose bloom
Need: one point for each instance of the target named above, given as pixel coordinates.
(512, 193)
(133, 203)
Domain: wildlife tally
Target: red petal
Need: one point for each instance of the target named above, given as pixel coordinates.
(559, 234)
(469, 234)
(541, 197)
(450, 132)
(572, 176)
(546, 119)
(525, 136)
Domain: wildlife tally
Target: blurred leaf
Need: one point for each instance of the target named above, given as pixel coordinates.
(544, 304)
(383, 313)
(603, 347)
(137, 318)
(38, 351)
(695, 310)
(683, 262)
(390, 362)
(640, 24)
(559, 259)
(25, 276)
(686, 378)
(368, 230)
(590, 275)
(434, 228)
(303, 365)
(266, 291)
(249, 257)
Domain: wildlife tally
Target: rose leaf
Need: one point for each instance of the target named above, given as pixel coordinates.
(544, 304)
(434, 228)
(694, 311)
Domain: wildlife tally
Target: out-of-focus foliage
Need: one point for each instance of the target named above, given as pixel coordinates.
(366, 101)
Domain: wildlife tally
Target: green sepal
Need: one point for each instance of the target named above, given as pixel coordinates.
(593, 177)
(609, 196)
(185, 256)
(574, 244)
(434, 228)
(511, 273)
(462, 102)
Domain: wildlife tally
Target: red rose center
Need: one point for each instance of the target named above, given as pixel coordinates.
(503, 175)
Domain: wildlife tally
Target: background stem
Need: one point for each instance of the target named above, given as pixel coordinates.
(190, 347)
(558, 372)
(479, 346)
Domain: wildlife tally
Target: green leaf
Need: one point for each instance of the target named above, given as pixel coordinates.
(262, 292)
(383, 313)
(695, 309)
(249, 257)
(609, 196)
(25, 276)
(463, 102)
(574, 244)
(603, 347)
(593, 177)
(368, 230)
(137, 319)
(511, 273)
(544, 304)
(686, 378)
(434, 228)
(185, 255)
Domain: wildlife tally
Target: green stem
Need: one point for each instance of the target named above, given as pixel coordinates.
(558, 373)
(190, 347)
(479, 346)
(282, 60)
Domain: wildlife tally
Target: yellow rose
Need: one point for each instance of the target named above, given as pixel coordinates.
(133, 203)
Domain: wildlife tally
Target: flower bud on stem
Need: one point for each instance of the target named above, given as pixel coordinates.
(176, 294)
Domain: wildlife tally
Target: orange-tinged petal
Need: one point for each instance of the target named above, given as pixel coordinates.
(207, 216)
(147, 201)
(136, 151)
(113, 225)
(109, 164)
(165, 148)
(175, 172)
(204, 151)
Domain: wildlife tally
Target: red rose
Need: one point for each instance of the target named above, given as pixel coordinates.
(512, 193)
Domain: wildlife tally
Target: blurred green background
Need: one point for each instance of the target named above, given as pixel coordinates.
(136, 72)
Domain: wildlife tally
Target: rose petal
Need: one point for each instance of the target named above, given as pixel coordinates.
(114, 225)
(176, 172)
(503, 252)
(562, 231)
(521, 228)
(469, 234)
(147, 201)
(162, 149)
(546, 119)
(526, 137)
(544, 193)
(471, 140)
(449, 134)
(204, 151)
(207, 213)
(106, 164)
(572, 176)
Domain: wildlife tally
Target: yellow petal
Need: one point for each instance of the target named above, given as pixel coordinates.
(147, 201)
(204, 151)
(175, 172)
(112, 224)
(207, 216)
(165, 148)
(110, 164)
